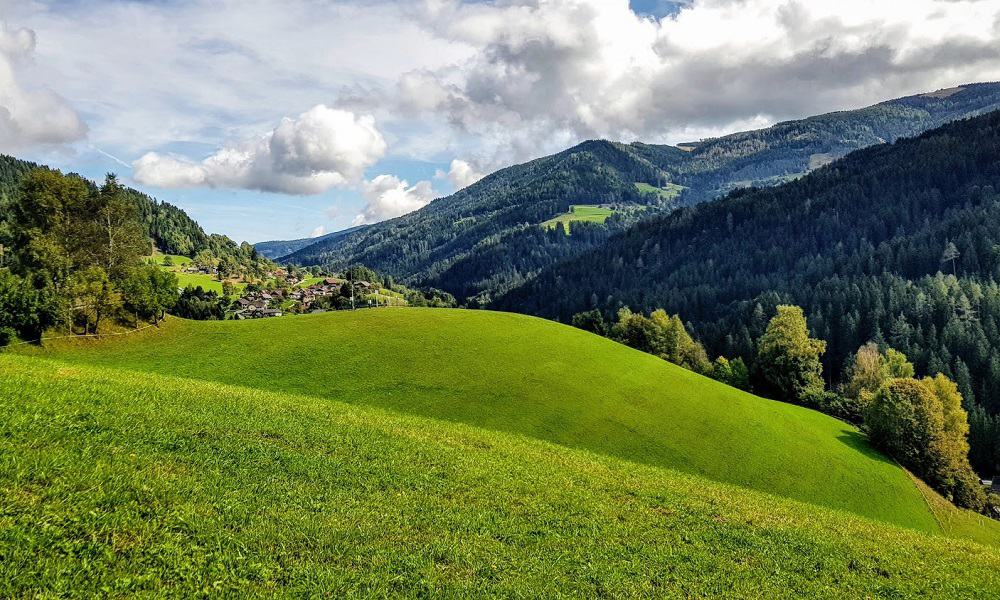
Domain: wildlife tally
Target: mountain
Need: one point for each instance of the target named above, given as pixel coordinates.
(487, 237)
(485, 240)
(861, 244)
(280, 248)
(793, 148)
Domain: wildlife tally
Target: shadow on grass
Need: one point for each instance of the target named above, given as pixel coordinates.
(859, 441)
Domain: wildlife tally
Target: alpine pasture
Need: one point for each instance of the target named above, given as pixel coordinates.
(536, 378)
(579, 213)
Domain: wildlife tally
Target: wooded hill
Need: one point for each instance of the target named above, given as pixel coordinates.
(169, 228)
(485, 240)
(897, 244)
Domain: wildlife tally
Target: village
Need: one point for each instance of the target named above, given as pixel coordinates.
(330, 293)
(210, 292)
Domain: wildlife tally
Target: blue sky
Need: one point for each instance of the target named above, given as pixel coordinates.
(269, 120)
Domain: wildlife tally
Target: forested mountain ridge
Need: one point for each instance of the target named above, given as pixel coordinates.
(897, 244)
(484, 240)
(278, 248)
(792, 148)
(487, 238)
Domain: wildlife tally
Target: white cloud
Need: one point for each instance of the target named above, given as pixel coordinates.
(322, 148)
(30, 117)
(388, 196)
(462, 174)
(574, 69)
(493, 82)
(321, 230)
(149, 74)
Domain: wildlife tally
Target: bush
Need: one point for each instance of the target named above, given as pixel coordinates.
(923, 426)
(592, 321)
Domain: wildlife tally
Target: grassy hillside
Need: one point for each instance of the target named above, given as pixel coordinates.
(528, 376)
(120, 483)
(579, 213)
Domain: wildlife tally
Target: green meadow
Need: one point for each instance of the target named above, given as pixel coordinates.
(531, 377)
(177, 259)
(431, 451)
(579, 213)
(119, 483)
(666, 193)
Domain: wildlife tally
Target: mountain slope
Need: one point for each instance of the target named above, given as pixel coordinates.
(793, 148)
(280, 248)
(486, 237)
(537, 378)
(483, 241)
(858, 244)
(137, 483)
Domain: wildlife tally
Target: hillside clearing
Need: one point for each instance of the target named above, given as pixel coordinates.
(666, 193)
(586, 213)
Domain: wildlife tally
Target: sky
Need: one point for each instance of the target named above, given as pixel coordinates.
(281, 120)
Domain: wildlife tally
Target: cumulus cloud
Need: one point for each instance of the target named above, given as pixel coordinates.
(573, 69)
(462, 174)
(321, 148)
(388, 196)
(321, 230)
(30, 117)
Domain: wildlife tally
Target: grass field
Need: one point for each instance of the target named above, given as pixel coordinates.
(667, 193)
(579, 213)
(308, 281)
(207, 282)
(176, 259)
(536, 378)
(122, 483)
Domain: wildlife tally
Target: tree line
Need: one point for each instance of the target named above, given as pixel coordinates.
(919, 422)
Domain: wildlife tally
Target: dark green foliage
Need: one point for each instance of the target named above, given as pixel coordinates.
(731, 372)
(75, 257)
(170, 228)
(200, 305)
(26, 310)
(592, 321)
(430, 298)
(487, 238)
(660, 335)
(857, 244)
(362, 273)
(149, 292)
